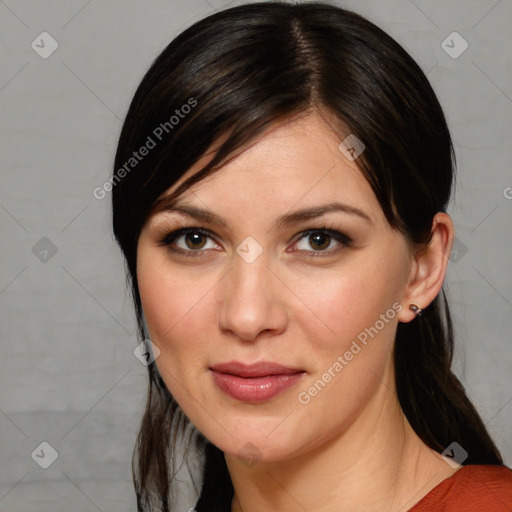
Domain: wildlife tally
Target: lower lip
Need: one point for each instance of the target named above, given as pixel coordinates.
(255, 390)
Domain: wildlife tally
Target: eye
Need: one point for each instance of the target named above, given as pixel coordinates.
(188, 240)
(322, 241)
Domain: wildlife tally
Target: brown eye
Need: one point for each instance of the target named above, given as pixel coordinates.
(319, 240)
(195, 240)
(189, 241)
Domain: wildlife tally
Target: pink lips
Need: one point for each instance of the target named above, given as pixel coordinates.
(255, 382)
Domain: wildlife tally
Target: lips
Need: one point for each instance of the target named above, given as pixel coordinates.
(261, 369)
(254, 383)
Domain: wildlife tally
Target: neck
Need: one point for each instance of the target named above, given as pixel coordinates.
(377, 464)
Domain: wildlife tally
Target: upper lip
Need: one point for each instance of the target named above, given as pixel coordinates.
(261, 369)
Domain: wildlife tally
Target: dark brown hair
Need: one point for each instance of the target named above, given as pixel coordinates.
(244, 69)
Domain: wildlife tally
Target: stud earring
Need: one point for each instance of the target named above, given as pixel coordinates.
(415, 309)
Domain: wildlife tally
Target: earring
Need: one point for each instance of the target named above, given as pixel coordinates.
(415, 309)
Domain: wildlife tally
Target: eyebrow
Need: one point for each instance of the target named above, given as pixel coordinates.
(285, 220)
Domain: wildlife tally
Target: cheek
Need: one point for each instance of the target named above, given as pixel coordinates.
(172, 308)
(341, 305)
(172, 305)
(359, 306)
(352, 346)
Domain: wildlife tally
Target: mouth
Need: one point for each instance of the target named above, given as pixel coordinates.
(255, 383)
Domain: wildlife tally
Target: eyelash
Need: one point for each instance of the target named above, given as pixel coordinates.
(169, 238)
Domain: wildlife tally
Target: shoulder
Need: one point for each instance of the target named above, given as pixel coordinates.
(474, 488)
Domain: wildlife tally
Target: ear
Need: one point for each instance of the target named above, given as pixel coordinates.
(428, 268)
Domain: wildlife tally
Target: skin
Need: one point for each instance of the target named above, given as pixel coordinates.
(350, 448)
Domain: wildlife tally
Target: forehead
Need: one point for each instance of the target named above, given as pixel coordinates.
(296, 162)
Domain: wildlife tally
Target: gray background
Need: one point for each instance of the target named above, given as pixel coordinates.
(68, 375)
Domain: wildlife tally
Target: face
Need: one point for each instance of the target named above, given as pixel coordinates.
(283, 257)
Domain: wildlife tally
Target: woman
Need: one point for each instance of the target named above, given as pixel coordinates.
(280, 194)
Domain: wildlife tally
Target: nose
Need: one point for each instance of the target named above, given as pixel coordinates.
(252, 301)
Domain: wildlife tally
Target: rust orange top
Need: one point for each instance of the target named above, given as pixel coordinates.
(474, 488)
